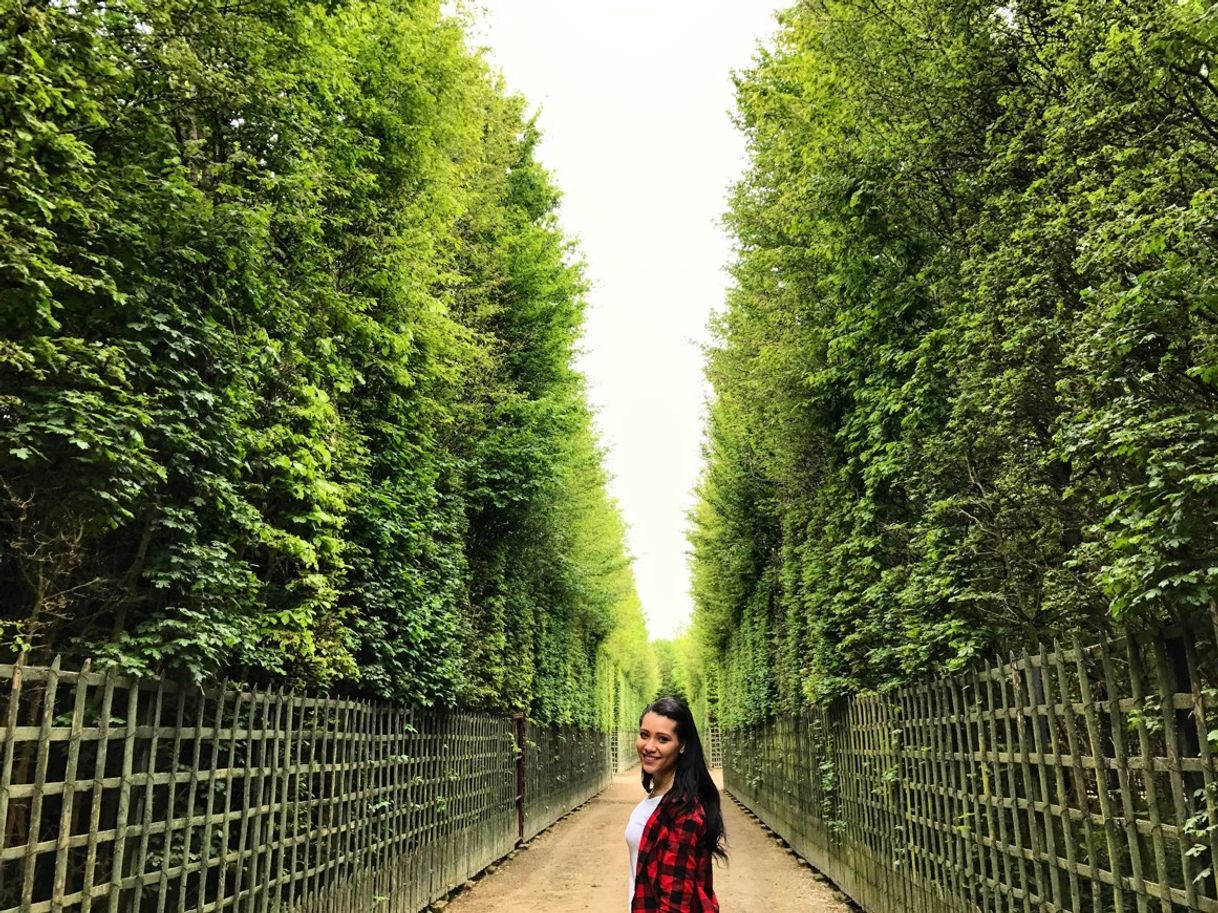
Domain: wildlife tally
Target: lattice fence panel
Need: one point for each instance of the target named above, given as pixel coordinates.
(1081, 778)
(129, 796)
(564, 767)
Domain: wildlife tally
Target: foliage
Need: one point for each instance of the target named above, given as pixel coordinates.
(673, 675)
(687, 671)
(285, 361)
(965, 386)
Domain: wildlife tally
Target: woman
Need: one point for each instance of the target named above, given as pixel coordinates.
(675, 832)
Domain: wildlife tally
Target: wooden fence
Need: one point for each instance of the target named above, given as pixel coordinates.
(714, 744)
(563, 767)
(1080, 779)
(119, 795)
(624, 754)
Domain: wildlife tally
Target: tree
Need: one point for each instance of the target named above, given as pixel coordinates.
(963, 381)
(286, 341)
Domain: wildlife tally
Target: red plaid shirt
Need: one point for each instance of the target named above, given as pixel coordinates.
(674, 872)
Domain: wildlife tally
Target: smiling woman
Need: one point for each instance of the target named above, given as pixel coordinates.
(677, 830)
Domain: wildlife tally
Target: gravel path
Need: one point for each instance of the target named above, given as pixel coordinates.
(580, 865)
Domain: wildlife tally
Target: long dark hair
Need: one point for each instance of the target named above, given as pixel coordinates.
(691, 781)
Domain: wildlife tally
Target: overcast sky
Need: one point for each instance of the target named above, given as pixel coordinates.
(635, 100)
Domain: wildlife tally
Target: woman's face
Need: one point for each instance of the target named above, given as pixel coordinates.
(657, 745)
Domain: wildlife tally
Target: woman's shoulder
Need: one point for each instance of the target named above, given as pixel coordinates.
(688, 811)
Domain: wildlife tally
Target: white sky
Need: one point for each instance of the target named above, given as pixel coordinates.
(635, 100)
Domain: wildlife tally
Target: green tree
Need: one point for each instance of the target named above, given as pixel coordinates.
(286, 337)
(964, 382)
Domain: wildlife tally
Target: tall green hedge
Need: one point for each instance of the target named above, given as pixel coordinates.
(286, 339)
(966, 386)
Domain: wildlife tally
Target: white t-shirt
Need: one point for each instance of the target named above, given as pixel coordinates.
(634, 834)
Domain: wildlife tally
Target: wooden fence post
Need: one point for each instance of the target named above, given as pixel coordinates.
(518, 718)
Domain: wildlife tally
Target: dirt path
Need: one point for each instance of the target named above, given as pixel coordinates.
(580, 865)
